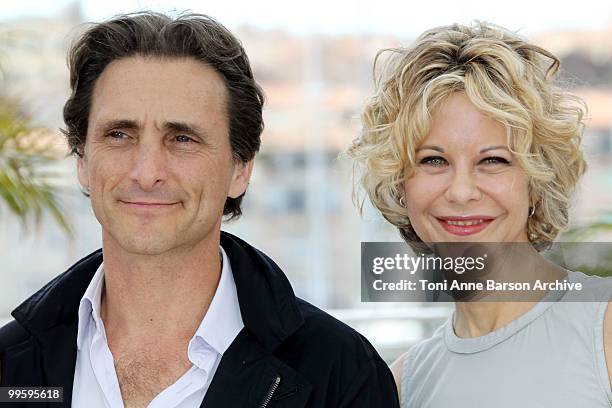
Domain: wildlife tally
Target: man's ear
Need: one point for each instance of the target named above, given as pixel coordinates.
(82, 172)
(240, 178)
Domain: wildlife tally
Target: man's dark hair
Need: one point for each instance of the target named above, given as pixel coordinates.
(150, 34)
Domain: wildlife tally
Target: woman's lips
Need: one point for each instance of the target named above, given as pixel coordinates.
(452, 226)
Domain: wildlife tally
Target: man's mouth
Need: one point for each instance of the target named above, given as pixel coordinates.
(149, 205)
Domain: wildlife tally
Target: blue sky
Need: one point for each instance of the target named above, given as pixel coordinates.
(405, 18)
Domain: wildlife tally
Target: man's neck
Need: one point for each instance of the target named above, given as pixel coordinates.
(165, 295)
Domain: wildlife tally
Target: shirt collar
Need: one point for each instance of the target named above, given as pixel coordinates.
(223, 320)
(220, 325)
(89, 307)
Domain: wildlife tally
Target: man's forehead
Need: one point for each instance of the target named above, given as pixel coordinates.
(158, 90)
(141, 78)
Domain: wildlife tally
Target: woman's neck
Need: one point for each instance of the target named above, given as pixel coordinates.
(475, 319)
(497, 309)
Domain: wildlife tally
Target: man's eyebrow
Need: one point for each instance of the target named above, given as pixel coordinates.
(184, 127)
(118, 124)
(175, 126)
(441, 150)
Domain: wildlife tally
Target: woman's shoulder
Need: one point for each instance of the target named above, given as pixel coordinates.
(417, 355)
(587, 288)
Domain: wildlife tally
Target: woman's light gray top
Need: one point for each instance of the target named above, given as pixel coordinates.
(552, 356)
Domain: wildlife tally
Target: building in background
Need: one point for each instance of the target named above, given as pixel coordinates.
(298, 207)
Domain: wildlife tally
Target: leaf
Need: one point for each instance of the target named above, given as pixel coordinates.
(26, 181)
(584, 232)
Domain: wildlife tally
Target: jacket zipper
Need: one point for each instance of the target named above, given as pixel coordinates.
(271, 392)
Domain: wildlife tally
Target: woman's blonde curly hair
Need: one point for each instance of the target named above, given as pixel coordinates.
(503, 76)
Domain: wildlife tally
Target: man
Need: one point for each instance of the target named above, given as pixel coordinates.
(165, 119)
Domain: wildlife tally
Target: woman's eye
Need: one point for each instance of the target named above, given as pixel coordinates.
(495, 160)
(435, 161)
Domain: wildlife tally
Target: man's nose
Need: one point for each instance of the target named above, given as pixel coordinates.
(149, 166)
(463, 187)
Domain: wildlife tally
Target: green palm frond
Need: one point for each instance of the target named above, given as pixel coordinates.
(27, 186)
(584, 232)
(575, 243)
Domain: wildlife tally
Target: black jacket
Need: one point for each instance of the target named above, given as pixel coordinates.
(320, 361)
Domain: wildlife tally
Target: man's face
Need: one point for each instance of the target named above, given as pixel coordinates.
(157, 157)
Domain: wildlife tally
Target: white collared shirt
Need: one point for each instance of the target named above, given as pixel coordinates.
(95, 379)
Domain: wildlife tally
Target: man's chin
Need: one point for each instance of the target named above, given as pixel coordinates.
(139, 241)
(144, 247)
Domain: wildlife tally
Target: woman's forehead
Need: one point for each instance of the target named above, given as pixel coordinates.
(458, 123)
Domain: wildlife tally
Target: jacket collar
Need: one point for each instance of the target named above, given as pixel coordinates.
(57, 302)
(267, 303)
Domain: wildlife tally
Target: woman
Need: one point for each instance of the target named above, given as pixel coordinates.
(467, 139)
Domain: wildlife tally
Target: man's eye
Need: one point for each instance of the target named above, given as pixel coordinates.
(495, 160)
(116, 134)
(434, 161)
(183, 139)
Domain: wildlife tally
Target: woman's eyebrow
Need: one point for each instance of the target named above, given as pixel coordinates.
(441, 150)
(436, 148)
(486, 149)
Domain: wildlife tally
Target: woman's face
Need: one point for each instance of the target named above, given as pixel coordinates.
(467, 185)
